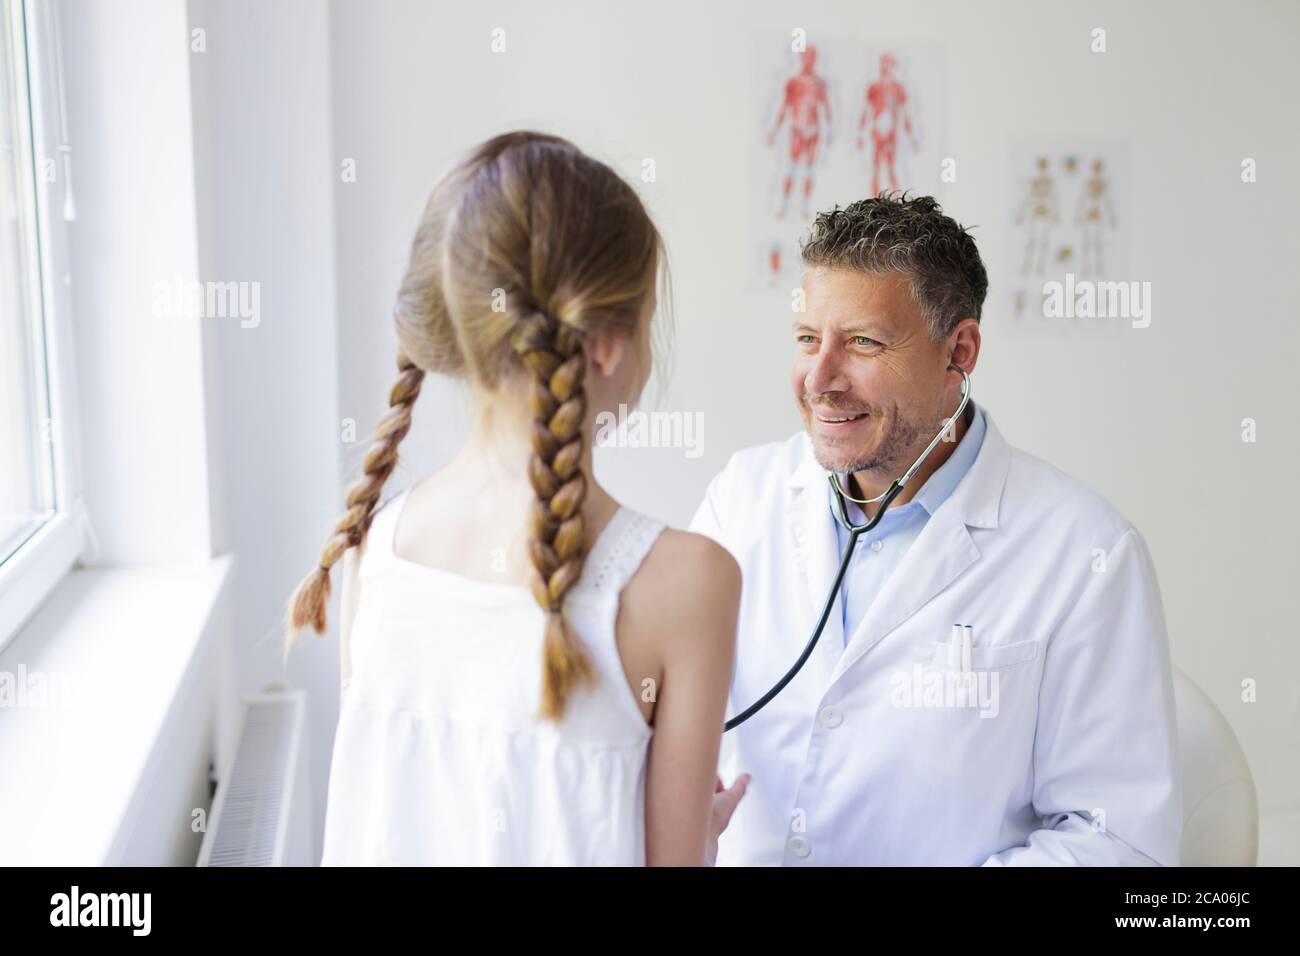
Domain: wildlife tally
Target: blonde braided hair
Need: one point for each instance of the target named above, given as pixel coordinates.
(553, 353)
(307, 607)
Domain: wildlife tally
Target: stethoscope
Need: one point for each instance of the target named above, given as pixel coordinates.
(855, 531)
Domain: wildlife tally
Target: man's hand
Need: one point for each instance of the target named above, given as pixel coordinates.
(725, 801)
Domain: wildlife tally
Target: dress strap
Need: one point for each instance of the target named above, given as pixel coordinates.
(381, 539)
(620, 549)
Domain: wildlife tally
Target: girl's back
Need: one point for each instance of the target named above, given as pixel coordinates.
(439, 756)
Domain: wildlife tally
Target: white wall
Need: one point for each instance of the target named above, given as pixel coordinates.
(265, 188)
(1150, 417)
(139, 370)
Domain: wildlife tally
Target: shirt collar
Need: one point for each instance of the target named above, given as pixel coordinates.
(939, 485)
(947, 476)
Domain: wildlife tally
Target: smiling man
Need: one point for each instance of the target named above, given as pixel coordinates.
(1041, 730)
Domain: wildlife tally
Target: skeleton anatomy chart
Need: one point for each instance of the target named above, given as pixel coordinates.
(838, 120)
(1068, 221)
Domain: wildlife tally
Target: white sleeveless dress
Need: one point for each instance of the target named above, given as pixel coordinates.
(438, 757)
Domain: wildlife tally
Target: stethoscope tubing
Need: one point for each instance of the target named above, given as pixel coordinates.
(855, 531)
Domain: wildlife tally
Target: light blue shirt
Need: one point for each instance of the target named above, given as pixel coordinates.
(881, 549)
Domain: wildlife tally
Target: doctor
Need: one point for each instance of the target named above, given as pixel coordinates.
(1042, 732)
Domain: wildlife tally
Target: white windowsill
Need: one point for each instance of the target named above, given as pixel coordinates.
(119, 644)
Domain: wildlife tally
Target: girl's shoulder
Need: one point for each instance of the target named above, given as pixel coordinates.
(686, 579)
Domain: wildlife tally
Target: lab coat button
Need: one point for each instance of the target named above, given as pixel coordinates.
(799, 846)
(831, 716)
(877, 545)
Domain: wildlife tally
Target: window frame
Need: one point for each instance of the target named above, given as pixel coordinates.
(31, 573)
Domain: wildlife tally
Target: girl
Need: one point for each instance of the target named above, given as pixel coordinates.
(532, 673)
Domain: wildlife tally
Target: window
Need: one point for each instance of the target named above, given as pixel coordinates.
(27, 484)
(39, 533)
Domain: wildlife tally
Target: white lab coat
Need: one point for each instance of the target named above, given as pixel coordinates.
(869, 756)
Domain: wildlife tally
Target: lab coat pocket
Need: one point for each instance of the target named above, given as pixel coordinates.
(990, 657)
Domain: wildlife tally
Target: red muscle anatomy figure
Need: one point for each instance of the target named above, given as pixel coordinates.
(884, 111)
(807, 106)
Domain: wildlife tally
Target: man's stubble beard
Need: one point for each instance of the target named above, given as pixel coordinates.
(895, 453)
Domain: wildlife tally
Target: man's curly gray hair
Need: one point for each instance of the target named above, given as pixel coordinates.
(892, 233)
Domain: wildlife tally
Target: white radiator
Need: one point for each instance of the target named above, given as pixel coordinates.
(262, 812)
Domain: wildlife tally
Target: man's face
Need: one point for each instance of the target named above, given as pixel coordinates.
(868, 381)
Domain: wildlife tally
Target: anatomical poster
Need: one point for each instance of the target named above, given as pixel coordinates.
(837, 119)
(1069, 214)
